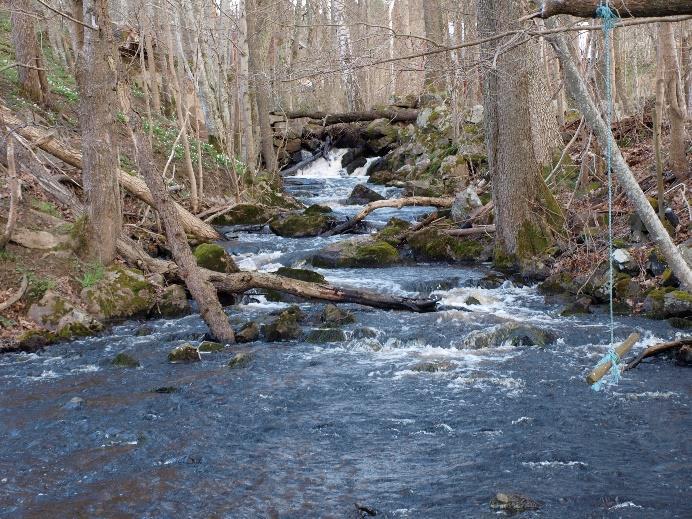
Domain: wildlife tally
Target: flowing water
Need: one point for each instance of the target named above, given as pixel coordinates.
(308, 430)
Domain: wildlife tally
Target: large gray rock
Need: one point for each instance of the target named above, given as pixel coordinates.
(362, 195)
(510, 333)
(58, 315)
(173, 302)
(465, 202)
(122, 292)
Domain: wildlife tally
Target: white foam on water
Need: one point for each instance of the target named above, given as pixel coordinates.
(626, 504)
(363, 170)
(553, 464)
(512, 386)
(325, 168)
(262, 261)
(522, 419)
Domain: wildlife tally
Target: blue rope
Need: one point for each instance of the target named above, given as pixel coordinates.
(609, 20)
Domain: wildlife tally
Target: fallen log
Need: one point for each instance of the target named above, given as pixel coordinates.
(471, 231)
(599, 371)
(133, 185)
(657, 349)
(396, 203)
(395, 115)
(244, 281)
(623, 8)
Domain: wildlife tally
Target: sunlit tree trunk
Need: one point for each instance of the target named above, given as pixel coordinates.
(30, 69)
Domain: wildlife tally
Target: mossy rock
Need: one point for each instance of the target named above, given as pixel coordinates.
(678, 303)
(393, 232)
(210, 347)
(33, 340)
(301, 274)
(317, 209)
(184, 353)
(303, 225)
(431, 244)
(579, 307)
(124, 360)
(248, 333)
(285, 327)
(654, 304)
(325, 335)
(240, 360)
(59, 316)
(332, 315)
(214, 257)
(357, 254)
(245, 214)
(680, 323)
(173, 302)
(121, 293)
(383, 177)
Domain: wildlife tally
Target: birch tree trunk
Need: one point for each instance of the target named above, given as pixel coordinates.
(343, 37)
(579, 93)
(32, 81)
(526, 214)
(97, 79)
(247, 141)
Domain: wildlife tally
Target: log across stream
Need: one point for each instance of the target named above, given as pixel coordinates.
(411, 414)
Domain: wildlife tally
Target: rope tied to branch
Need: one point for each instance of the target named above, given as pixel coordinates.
(609, 17)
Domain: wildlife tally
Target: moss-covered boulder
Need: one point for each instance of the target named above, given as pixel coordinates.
(184, 353)
(240, 360)
(314, 221)
(677, 303)
(210, 347)
(680, 323)
(245, 214)
(214, 257)
(357, 253)
(173, 302)
(301, 274)
(432, 244)
(57, 315)
(393, 232)
(248, 333)
(332, 315)
(508, 334)
(121, 293)
(325, 335)
(654, 303)
(124, 360)
(285, 327)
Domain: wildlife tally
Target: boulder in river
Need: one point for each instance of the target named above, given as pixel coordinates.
(332, 315)
(210, 347)
(214, 257)
(186, 352)
(363, 195)
(61, 318)
(394, 231)
(285, 327)
(465, 202)
(245, 214)
(665, 302)
(173, 302)
(432, 244)
(125, 360)
(356, 253)
(248, 333)
(301, 274)
(122, 292)
(240, 360)
(314, 221)
(433, 366)
(510, 333)
(513, 503)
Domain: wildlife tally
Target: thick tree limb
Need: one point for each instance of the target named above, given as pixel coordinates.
(657, 349)
(624, 8)
(577, 89)
(132, 184)
(398, 115)
(17, 295)
(471, 231)
(397, 203)
(15, 194)
(599, 371)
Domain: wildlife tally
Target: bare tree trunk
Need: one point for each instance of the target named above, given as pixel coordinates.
(436, 65)
(97, 79)
(578, 90)
(148, 35)
(247, 141)
(619, 61)
(343, 37)
(675, 95)
(202, 291)
(527, 216)
(687, 63)
(32, 78)
(624, 8)
(15, 193)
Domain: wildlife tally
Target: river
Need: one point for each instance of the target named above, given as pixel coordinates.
(308, 430)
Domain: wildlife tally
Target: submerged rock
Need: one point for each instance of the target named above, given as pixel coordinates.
(433, 366)
(124, 360)
(513, 503)
(121, 293)
(214, 257)
(184, 353)
(511, 334)
(357, 253)
(325, 335)
(240, 360)
(363, 195)
(74, 403)
(334, 316)
(248, 333)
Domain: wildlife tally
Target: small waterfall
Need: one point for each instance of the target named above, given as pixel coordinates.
(325, 168)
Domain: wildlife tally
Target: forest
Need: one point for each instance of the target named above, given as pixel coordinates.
(345, 258)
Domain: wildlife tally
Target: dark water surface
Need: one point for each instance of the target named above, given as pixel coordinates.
(305, 431)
